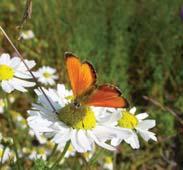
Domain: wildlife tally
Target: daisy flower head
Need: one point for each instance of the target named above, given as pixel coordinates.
(26, 35)
(2, 104)
(108, 163)
(38, 153)
(83, 126)
(136, 124)
(71, 152)
(6, 154)
(19, 119)
(88, 155)
(12, 73)
(46, 75)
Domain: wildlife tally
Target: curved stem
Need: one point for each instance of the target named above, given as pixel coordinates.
(52, 153)
(62, 154)
(97, 155)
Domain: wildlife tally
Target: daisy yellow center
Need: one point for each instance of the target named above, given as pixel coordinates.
(41, 151)
(1, 153)
(108, 160)
(128, 120)
(77, 118)
(26, 150)
(50, 145)
(86, 154)
(2, 103)
(6, 72)
(71, 97)
(46, 74)
(70, 149)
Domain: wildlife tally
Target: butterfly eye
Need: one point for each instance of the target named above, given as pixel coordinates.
(77, 104)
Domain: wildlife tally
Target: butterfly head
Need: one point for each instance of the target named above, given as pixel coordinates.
(76, 104)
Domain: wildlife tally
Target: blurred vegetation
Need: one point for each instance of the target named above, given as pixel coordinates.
(135, 44)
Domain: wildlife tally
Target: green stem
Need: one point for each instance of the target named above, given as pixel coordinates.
(114, 161)
(53, 152)
(10, 122)
(97, 155)
(62, 154)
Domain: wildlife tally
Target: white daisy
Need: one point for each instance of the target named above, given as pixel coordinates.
(46, 75)
(2, 104)
(108, 163)
(38, 153)
(26, 35)
(12, 73)
(135, 123)
(83, 126)
(6, 154)
(12, 99)
(70, 152)
(19, 120)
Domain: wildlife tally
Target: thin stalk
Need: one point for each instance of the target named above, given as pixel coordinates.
(97, 155)
(114, 160)
(53, 152)
(62, 154)
(10, 122)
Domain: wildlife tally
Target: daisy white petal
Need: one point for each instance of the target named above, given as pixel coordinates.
(133, 141)
(61, 138)
(75, 141)
(146, 124)
(29, 63)
(116, 141)
(84, 140)
(16, 85)
(146, 135)
(7, 154)
(133, 110)
(2, 104)
(102, 143)
(23, 75)
(104, 115)
(15, 61)
(5, 59)
(142, 116)
(7, 87)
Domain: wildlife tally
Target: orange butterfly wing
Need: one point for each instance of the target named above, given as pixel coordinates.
(82, 75)
(107, 96)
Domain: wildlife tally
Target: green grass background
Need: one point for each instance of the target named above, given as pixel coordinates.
(134, 44)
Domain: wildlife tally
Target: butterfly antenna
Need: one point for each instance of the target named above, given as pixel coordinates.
(22, 59)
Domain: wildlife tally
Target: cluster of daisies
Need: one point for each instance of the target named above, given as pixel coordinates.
(102, 126)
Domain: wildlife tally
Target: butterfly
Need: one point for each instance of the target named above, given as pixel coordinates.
(82, 76)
